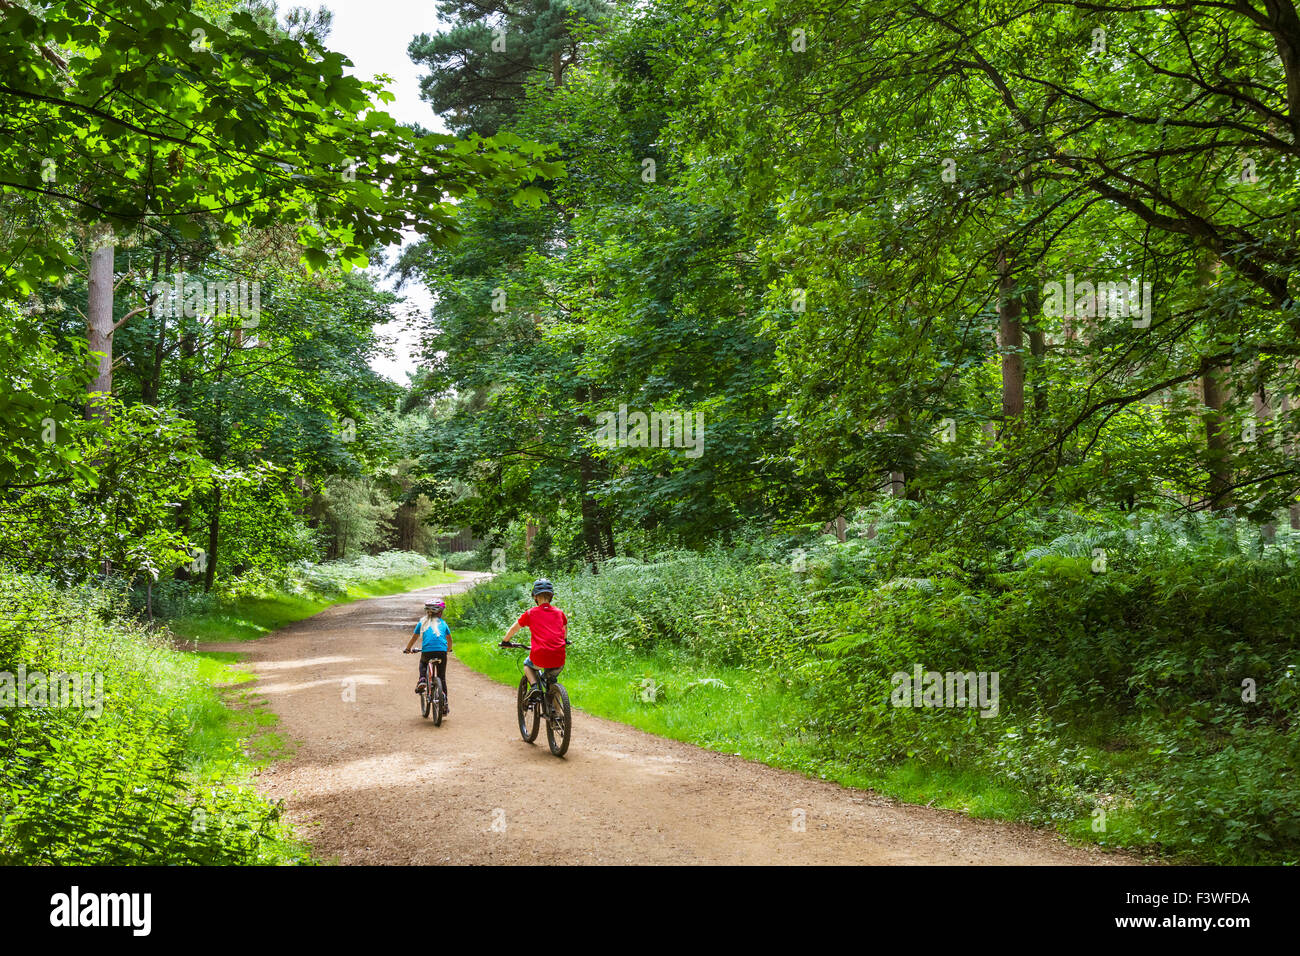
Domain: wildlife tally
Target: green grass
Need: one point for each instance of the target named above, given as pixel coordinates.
(232, 735)
(249, 618)
(230, 727)
(659, 693)
(163, 775)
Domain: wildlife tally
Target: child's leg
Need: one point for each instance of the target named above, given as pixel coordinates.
(440, 662)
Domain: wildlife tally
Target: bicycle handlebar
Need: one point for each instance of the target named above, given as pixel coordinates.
(525, 647)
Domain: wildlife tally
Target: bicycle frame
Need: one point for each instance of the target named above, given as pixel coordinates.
(430, 682)
(544, 681)
(548, 707)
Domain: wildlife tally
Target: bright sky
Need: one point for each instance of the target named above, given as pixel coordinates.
(374, 35)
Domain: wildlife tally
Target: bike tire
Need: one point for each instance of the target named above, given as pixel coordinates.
(561, 722)
(527, 730)
(426, 699)
(437, 701)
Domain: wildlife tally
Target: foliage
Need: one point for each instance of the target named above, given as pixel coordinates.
(142, 462)
(128, 784)
(355, 512)
(1160, 689)
(155, 115)
(480, 66)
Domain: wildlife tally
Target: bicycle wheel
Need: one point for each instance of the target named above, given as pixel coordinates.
(559, 724)
(426, 698)
(528, 719)
(435, 691)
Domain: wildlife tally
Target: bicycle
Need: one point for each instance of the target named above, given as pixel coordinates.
(433, 692)
(553, 706)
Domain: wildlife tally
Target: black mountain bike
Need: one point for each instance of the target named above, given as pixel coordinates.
(552, 706)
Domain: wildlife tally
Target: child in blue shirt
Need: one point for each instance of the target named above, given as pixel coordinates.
(435, 644)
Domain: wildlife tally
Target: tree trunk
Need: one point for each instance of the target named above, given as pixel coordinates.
(1037, 337)
(1010, 340)
(607, 531)
(99, 320)
(1284, 412)
(1218, 457)
(214, 529)
(1263, 412)
(590, 526)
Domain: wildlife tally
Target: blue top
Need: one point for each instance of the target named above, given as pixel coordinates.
(433, 633)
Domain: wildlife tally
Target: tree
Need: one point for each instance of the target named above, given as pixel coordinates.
(133, 117)
(628, 294)
(1143, 137)
(480, 67)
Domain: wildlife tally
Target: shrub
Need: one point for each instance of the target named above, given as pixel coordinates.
(129, 785)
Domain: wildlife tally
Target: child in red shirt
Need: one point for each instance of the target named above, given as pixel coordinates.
(548, 625)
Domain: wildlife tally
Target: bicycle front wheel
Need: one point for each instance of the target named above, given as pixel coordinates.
(528, 719)
(559, 724)
(435, 691)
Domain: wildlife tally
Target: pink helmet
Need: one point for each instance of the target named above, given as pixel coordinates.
(434, 606)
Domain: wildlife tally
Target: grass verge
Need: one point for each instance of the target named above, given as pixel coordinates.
(248, 618)
(148, 759)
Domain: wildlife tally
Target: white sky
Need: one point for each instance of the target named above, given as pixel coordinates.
(374, 35)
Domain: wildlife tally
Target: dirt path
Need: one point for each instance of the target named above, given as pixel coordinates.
(373, 782)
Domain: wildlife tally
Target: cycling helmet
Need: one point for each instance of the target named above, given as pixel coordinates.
(434, 606)
(543, 586)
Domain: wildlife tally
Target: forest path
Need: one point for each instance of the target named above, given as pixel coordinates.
(371, 781)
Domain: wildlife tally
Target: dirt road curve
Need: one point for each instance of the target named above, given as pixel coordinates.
(373, 782)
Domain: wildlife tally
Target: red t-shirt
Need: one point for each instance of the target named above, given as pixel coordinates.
(548, 625)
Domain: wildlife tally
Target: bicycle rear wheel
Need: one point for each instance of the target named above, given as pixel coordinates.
(559, 726)
(435, 691)
(528, 719)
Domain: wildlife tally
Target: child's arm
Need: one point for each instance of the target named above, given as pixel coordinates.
(414, 634)
(448, 627)
(514, 629)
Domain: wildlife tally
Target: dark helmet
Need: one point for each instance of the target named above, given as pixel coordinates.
(543, 586)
